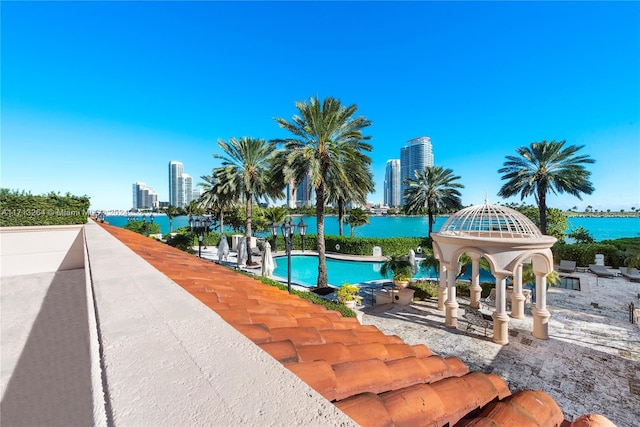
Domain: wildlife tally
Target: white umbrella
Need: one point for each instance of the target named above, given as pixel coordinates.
(412, 261)
(223, 248)
(242, 253)
(268, 264)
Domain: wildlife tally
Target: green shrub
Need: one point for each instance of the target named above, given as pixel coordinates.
(424, 289)
(144, 228)
(23, 209)
(584, 254)
(181, 241)
(314, 298)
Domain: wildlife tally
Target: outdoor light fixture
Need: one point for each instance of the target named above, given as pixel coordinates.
(288, 229)
(200, 226)
(274, 233)
(302, 229)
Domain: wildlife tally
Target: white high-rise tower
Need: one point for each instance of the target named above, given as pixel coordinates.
(176, 184)
(414, 156)
(392, 183)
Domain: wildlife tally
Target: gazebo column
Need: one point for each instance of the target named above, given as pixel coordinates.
(451, 305)
(476, 290)
(442, 289)
(540, 314)
(500, 317)
(517, 299)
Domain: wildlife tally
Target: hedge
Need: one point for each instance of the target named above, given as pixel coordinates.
(24, 209)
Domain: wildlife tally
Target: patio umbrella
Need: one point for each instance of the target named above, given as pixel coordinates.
(242, 253)
(412, 261)
(223, 248)
(268, 264)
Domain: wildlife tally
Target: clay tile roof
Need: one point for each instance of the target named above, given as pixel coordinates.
(376, 379)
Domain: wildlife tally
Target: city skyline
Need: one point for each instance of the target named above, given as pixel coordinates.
(92, 101)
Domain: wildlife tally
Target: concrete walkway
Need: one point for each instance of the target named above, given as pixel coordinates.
(591, 363)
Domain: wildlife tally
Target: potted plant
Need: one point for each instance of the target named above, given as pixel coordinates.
(348, 295)
(399, 267)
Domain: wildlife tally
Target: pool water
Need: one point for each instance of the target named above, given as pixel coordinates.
(570, 283)
(304, 271)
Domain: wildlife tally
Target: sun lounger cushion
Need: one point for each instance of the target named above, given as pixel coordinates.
(600, 271)
(567, 266)
(630, 273)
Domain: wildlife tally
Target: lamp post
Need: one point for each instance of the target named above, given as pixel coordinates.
(274, 233)
(302, 229)
(288, 229)
(200, 226)
(144, 224)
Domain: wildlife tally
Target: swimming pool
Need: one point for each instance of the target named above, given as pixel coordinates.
(304, 271)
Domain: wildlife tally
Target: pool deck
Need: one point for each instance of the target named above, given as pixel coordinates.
(590, 363)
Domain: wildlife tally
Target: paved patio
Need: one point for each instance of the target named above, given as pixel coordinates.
(591, 362)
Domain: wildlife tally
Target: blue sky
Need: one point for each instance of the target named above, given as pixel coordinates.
(98, 95)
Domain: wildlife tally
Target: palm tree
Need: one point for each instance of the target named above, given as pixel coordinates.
(215, 199)
(358, 185)
(171, 212)
(434, 188)
(543, 167)
(245, 173)
(327, 141)
(357, 217)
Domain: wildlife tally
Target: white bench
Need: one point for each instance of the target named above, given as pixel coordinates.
(475, 318)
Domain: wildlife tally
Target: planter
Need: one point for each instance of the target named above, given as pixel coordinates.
(350, 304)
(401, 284)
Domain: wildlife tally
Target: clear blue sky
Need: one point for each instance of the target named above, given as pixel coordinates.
(98, 95)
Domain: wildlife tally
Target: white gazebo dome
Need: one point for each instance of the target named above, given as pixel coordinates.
(490, 221)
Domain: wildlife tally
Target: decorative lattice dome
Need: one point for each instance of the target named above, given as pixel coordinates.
(490, 221)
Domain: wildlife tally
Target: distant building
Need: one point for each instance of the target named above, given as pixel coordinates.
(180, 185)
(392, 183)
(176, 189)
(144, 196)
(417, 154)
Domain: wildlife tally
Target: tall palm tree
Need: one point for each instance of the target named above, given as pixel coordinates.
(357, 218)
(245, 173)
(545, 167)
(433, 188)
(327, 141)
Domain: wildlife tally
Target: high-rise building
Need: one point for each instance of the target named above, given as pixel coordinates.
(144, 196)
(187, 189)
(180, 185)
(392, 183)
(176, 189)
(415, 155)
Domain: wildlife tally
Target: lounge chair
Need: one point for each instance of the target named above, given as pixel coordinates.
(600, 271)
(630, 273)
(567, 266)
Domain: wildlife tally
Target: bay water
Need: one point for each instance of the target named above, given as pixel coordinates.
(601, 228)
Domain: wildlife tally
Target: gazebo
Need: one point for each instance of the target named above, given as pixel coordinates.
(506, 239)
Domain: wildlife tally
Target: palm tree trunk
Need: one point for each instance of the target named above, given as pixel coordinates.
(248, 229)
(221, 221)
(430, 212)
(323, 281)
(340, 215)
(542, 209)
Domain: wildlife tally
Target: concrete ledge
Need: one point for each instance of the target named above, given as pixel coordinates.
(170, 360)
(31, 250)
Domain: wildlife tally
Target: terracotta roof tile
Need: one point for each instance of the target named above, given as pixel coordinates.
(282, 351)
(367, 409)
(376, 379)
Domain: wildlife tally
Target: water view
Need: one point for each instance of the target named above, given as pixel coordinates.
(304, 271)
(412, 226)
